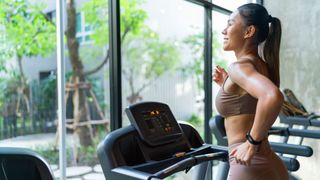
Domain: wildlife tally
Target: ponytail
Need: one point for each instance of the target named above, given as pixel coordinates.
(268, 36)
(271, 50)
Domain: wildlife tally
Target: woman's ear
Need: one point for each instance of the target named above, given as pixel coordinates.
(250, 31)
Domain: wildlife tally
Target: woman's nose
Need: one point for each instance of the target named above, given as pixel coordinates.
(224, 31)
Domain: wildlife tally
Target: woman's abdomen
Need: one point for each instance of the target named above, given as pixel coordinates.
(237, 127)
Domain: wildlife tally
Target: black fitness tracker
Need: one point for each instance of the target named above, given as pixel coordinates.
(251, 140)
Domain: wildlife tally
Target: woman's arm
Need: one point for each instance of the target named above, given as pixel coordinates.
(269, 98)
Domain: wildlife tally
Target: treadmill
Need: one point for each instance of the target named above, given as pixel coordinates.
(155, 146)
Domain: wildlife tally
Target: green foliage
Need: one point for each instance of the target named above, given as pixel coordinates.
(162, 56)
(99, 90)
(96, 16)
(5, 51)
(51, 154)
(28, 32)
(46, 91)
(147, 56)
(172, 177)
(87, 155)
(132, 17)
(8, 88)
(195, 43)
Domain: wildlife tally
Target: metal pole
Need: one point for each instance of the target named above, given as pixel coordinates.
(61, 89)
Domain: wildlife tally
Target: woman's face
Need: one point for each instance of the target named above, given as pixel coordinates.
(233, 33)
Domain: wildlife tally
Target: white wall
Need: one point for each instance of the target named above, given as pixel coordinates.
(300, 66)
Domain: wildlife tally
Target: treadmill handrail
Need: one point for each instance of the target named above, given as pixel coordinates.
(306, 133)
(312, 120)
(187, 163)
(292, 149)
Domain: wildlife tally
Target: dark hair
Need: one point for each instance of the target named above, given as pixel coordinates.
(270, 34)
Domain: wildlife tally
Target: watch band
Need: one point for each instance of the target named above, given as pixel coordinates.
(251, 140)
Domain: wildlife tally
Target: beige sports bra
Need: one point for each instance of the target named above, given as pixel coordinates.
(229, 104)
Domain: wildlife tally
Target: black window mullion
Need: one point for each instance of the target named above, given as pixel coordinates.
(207, 74)
(207, 80)
(115, 65)
(210, 5)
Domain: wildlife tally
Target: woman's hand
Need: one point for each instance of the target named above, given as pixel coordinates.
(219, 75)
(244, 153)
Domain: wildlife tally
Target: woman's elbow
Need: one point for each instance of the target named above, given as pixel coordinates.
(275, 96)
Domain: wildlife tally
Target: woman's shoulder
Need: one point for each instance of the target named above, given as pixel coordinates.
(241, 65)
(239, 71)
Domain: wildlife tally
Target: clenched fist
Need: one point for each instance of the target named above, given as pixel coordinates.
(219, 75)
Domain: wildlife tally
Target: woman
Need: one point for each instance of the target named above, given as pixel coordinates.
(249, 98)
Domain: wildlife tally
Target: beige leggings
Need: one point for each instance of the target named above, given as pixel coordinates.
(265, 164)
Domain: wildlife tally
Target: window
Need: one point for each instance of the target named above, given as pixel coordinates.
(84, 30)
(31, 108)
(51, 15)
(164, 62)
(46, 74)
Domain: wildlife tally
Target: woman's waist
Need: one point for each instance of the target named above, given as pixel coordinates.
(237, 127)
(263, 148)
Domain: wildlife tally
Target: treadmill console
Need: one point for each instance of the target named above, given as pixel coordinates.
(154, 122)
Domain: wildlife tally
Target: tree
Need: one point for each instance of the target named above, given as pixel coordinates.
(195, 42)
(96, 15)
(27, 32)
(146, 58)
(158, 56)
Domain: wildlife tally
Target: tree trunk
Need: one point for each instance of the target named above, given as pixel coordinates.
(81, 110)
(23, 95)
(81, 113)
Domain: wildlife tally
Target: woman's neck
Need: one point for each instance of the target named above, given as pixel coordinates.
(247, 50)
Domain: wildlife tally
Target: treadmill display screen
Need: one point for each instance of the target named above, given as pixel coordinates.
(157, 119)
(154, 122)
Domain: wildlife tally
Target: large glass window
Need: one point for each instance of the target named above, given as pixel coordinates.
(87, 85)
(28, 78)
(28, 81)
(162, 60)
